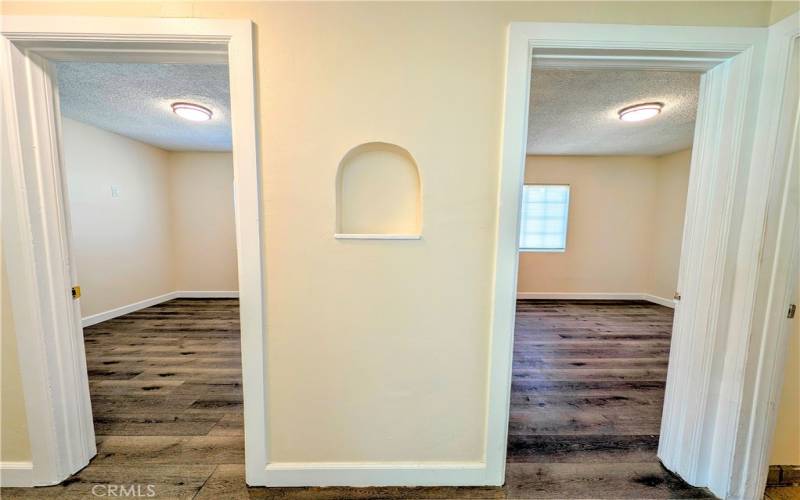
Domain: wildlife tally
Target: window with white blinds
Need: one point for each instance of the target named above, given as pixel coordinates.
(545, 209)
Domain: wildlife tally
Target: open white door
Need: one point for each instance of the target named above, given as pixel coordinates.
(777, 276)
(732, 415)
(35, 234)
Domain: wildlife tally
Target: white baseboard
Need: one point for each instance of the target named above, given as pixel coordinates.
(288, 474)
(655, 299)
(16, 474)
(182, 294)
(595, 296)
(121, 311)
(203, 294)
(578, 296)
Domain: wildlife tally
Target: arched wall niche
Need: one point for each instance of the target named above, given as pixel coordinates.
(378, 193)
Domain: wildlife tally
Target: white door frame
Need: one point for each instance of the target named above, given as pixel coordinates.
(707, 387)
(36, 221)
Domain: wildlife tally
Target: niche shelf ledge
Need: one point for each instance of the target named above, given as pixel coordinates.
(358, 236)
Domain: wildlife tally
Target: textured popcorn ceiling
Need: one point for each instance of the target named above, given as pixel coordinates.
(575, 112)
(134, 100)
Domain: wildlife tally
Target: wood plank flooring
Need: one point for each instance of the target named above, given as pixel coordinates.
(588, 381)
(588, 384)
(782, 493)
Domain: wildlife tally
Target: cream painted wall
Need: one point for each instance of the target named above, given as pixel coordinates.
(122, 245)
(14, 444)
(171, 228)
(786, 444)
(608, 232)
(376, 317)
(669, 210)
(625, 224)
(781, 9)
(202, 219)
(701, 13)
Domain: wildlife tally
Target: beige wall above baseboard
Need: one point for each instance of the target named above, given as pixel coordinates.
(625, 224)
(121, 240)
(203, 221)
(145, 221)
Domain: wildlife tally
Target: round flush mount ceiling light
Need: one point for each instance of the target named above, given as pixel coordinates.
(639, 112)
(193, 112)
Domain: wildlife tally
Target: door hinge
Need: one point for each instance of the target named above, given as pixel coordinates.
(792, 309)
(676, 296)
(76, 292)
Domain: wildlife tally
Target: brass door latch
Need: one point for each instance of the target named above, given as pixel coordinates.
(76, 292)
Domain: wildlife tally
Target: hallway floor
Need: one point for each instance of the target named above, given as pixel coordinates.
(588, 386)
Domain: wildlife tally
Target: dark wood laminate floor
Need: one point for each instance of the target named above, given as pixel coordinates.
(588, 385)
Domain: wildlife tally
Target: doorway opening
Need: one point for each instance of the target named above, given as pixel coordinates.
(37, 238)
(724, 229)
(601, 225)
(150, 201)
